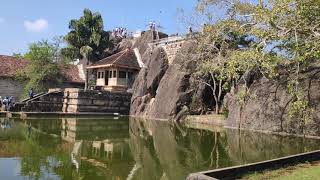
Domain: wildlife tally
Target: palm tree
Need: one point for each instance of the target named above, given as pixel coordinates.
(88, 31)
(87, 39)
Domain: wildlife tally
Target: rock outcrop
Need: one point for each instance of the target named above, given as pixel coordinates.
(162, 90)
(268, 107)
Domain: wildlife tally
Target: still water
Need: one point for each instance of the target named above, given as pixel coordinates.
(119, 148)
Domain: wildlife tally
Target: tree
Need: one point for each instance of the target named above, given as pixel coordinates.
(43, 69)
(88, 30)
(284, 33)
(215, 46)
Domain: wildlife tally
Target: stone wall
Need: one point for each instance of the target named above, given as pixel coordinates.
(171, 46)
(10, 87)
(172, 49)
(78, 100)
(50, 102)
(73, 100)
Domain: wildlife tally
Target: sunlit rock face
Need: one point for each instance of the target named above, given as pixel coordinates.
(163, 89)
(268, 109)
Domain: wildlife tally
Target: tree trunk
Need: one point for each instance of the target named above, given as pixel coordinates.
(86, 84)
(214, 94)
(220, 91)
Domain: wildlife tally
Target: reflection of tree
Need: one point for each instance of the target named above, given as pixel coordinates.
(41, 154)
(41, 158)
(247, 147)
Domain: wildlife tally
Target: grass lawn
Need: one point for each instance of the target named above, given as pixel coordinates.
(304, 171)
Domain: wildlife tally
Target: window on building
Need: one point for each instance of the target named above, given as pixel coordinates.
(102, 75)
(110, 74)
(114, 74)
(122, 74)
(99, 75)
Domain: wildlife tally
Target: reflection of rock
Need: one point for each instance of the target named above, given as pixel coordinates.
(164, 152)
(168, 152)
(141, 146)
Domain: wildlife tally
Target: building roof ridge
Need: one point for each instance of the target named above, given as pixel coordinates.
(119, 57)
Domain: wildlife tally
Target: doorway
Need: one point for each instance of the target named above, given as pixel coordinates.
(106, 78)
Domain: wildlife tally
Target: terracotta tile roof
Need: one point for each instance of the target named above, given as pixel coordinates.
(124, 59)
(71, 73)
(9, 65)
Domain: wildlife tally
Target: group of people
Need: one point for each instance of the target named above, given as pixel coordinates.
(152, 26)
(6, 103)
(120, 32)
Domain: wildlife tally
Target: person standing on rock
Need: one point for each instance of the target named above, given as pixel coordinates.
(190, 30)
(31, 93)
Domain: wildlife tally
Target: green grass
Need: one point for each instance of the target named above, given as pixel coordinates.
(306, 171)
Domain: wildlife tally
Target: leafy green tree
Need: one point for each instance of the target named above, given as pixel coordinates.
(88, 31)
(43, 68)
(284, 33)
(215, 46)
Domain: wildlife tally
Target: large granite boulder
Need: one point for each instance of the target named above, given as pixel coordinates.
(173, 93)
(267, 108)
(147, 82)
(163, 91)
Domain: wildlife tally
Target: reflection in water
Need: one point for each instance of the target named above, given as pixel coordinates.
(5, 123)
(133, 150)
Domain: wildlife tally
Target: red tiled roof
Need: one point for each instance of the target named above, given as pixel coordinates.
(124, 59)
(9, 65)
(71, 73)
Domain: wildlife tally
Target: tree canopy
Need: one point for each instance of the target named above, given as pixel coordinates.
(43, 70)
(87, 31)
(263, 35)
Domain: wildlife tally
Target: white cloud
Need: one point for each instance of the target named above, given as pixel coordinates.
(37, 25)
(2, 20)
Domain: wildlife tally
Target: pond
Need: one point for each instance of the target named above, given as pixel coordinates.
(130, 149)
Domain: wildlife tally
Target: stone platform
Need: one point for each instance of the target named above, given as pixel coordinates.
(24, 115)
(78, 100)
(72, 100)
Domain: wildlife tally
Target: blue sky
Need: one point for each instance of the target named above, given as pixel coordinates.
(25, 21)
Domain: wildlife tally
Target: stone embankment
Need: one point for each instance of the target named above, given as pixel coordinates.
(72, 100)
(77, 100)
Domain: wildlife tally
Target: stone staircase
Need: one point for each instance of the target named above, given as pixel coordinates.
(18, 105)
(42, 102)
(49, 102)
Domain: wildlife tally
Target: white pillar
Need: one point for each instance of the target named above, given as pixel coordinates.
(127, 78)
